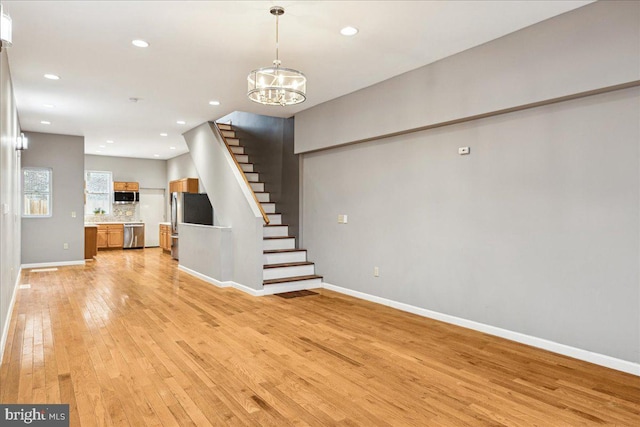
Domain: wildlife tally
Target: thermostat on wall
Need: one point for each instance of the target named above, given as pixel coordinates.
(463, 150)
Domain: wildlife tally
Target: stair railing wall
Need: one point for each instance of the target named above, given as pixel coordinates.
(255, 198)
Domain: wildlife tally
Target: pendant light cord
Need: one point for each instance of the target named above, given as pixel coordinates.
(277, 43)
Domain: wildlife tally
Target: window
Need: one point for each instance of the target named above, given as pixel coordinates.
(99, 193)
(36, 192)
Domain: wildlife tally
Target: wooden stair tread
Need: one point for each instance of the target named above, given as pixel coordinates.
(281, 251)
(288, 264)
(278, 237)
(291, 279)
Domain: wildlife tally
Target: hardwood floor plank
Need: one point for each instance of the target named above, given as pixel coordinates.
(129, 340)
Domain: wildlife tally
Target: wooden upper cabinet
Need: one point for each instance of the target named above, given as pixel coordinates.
(184, 185)
(126, 186)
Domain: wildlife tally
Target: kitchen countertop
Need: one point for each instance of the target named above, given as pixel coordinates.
(113, 222)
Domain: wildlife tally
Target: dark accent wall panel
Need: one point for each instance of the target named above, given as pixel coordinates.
(269, 143)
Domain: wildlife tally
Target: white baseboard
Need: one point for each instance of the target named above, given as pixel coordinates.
(220, 284)
(576, 353)
(7, 320)
(52, 264)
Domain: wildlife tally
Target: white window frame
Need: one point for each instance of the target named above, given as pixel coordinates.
(108, 207)
(50, 192)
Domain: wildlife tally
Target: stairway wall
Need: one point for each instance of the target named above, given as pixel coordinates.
(269, 143)
(233, 204)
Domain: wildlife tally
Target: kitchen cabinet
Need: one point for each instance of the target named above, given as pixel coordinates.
(90, 241)
(126, 186)
(184, 185)
(165, 237)
(110, 236)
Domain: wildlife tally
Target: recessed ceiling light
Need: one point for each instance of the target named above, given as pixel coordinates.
(139, 43)
(48, 105)
(102, 146)
(214, 102)
(163, 134)
(181, 122)
(109, 141)
(51, 77)
(156, 155)
(45, 122)
(172, 148)
(98, 151)
(349, 31)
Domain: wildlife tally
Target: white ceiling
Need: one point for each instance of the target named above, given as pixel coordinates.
(203, 50)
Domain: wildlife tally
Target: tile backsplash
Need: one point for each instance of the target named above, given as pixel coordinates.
(120, 213)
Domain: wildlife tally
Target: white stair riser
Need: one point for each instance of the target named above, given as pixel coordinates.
(275, 219)
(234, 142)
(277, 288)
(247, 167)
(284, 272)
(283, 257)
(279, 231)
(269, 245)
(236, 149)
(252, 176)
(228, 133)
(269, 207)
(263, 197)
(242, 158)
(257, 186)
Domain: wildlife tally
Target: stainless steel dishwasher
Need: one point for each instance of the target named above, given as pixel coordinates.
(133, 235)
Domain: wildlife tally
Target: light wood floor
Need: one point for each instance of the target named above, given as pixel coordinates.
(130, 340)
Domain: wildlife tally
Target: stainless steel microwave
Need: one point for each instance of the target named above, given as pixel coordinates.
(123, 197)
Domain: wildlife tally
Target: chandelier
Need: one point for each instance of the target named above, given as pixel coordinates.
(276, 85)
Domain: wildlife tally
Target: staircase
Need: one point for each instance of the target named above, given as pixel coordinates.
(284, 266)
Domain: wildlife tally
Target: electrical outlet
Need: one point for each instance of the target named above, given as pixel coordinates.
(342, 219)
(65, 246)
(463, 150)
(376, 272)
(73, 214)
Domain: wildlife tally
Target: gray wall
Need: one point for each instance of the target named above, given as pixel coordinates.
(10, 219)
(43, 238)
(269, 143)
(149, 173)
(588, 48)
(183, 167)
(207, 250)
(537, 230)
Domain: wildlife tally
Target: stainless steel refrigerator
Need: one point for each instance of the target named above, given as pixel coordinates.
(190, 208)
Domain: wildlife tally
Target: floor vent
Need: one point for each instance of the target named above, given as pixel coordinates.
(295, 294)
(25, 286)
